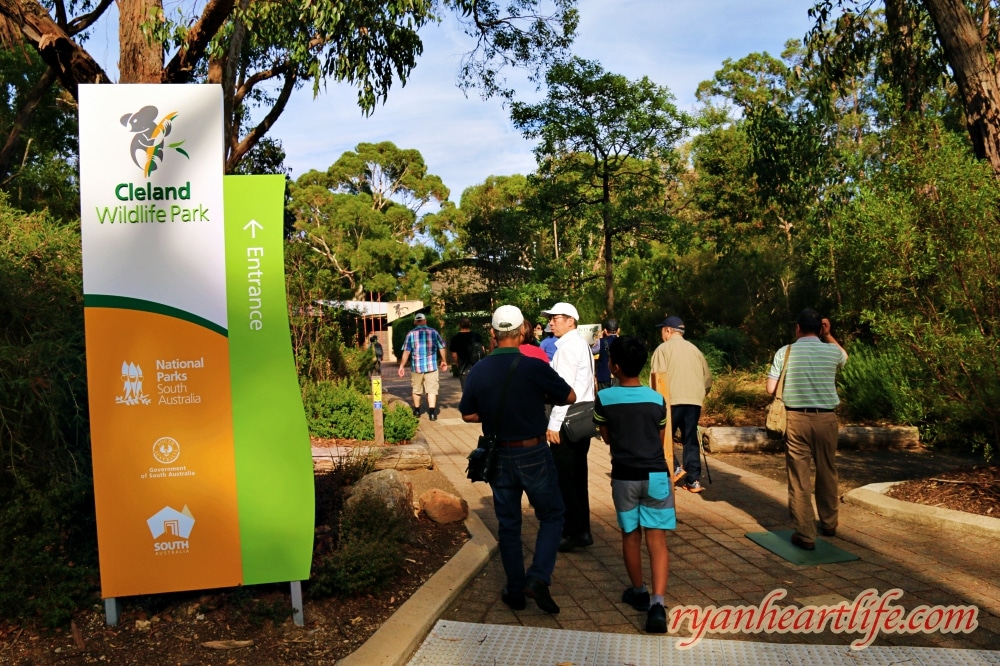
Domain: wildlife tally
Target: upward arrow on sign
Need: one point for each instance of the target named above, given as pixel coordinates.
(253, 226)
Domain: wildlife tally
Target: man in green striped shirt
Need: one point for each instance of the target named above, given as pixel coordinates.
(810, 396)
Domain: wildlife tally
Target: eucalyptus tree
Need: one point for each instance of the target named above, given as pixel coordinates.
(606, 149)
(923, 42)
(362, 216)
(261, 51)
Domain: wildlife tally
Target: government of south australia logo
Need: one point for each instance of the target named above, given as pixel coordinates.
(131, 386)
(166, 450)
(170, 522)
(150, 140)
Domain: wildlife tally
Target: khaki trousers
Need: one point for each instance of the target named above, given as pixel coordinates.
(812, 436)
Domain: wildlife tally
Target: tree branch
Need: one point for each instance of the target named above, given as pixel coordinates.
(180, 67)
(72, 64)
(23, 115)
(251, 139)
(81, 23)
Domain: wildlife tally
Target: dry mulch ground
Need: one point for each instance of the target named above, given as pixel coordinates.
(239, 627)
(973, 489)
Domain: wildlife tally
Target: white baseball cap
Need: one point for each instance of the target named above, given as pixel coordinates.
(507, 318)
(562, 309)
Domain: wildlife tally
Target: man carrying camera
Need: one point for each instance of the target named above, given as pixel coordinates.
(507, 392)
(810, 396)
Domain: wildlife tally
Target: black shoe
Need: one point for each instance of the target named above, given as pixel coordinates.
(828, 531)
(570, 543)
(656, 619)
(515, 601)
(567, 545)
(432, 414)
(637, 600)
(416, 412)
(539, 591)
(802, 543)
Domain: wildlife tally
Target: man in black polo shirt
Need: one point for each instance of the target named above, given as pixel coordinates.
(524, 461)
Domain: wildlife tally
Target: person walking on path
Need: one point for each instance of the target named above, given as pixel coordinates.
(506, 392)
(424, 344)
(602, 371)
(810, 397)
(574, 362)
(689, 379)
(632, 419)
(462, 345)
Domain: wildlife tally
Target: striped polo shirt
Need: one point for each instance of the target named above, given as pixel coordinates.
(812, 373)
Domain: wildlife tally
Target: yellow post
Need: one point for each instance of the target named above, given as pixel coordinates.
(658, 382)
(377, 409)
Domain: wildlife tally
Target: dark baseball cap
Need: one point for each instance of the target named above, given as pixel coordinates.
(673, 321)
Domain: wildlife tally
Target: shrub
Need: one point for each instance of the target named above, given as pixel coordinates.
(48, 551)
(371, 549)
(399, 423)
(334, 409)
(715, 357)
(732, 343)
(738, 398)
(874, 387)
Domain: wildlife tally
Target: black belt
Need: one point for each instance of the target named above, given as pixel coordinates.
(809, 410)
(520, 443)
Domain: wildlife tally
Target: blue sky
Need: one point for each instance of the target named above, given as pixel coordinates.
(675, 43)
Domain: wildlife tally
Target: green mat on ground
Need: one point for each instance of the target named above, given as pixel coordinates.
(780, 544)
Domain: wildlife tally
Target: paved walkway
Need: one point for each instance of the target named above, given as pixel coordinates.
(713, 563)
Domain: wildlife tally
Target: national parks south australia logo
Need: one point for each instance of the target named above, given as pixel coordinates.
(150, 137)
(132, 393)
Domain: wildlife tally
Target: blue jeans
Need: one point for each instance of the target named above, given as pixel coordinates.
(532, 471)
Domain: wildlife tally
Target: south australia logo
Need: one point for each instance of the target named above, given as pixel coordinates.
(150, 141)
(171, 529)
(132, 393)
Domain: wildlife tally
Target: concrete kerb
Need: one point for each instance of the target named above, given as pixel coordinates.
(872, 497)
(401, 635)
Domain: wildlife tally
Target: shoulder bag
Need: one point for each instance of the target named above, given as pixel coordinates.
(579, 422)
(483, 460)
(777, 418)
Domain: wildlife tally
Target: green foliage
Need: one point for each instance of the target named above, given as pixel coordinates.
(399, 424)
(916, 262)
(48, 550)
(336, 410)
(371, 549)
(48, 554)
(360, 221)
(605, 156)
(38, 148)
(877, 385)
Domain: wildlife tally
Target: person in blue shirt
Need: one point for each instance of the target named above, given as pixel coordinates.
(602, 371)
(632, 419)
(548, 343)
(424, 344)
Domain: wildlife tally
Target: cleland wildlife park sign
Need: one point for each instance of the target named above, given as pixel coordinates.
(202, 464)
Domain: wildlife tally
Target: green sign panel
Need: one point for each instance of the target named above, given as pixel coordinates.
(274, 469)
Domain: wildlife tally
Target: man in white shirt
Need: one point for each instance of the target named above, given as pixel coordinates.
(574, 362)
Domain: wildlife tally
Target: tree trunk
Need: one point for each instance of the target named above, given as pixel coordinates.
(900, 23)
(140, 58)
(974, 74)
(609, 264)
(13, 143)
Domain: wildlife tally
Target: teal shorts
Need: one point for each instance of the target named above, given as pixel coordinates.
(648, 504)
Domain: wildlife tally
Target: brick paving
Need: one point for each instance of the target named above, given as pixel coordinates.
(713, 563)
